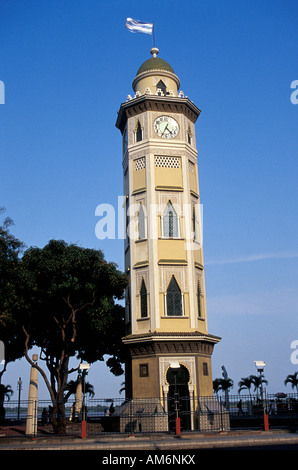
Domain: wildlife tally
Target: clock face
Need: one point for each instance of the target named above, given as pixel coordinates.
(166, 127)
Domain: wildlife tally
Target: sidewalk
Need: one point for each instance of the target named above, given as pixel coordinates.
(155, 442)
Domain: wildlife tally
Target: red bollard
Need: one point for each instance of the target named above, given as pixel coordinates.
(178, 430)
(266, 423)
(84, 430)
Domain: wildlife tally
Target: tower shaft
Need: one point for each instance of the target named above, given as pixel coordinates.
(166, 311)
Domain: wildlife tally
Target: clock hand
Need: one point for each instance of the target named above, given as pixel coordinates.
(164, 130)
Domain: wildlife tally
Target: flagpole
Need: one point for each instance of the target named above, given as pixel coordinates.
(153, 39)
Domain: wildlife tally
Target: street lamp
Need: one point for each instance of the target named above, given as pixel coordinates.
(260, 365)
(84, 368)
(19, 396)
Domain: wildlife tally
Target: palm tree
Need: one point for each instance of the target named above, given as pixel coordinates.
(122, 389)
(217, 385)
(293, 380)
(226, 384)
(5, 392)
(71, 389)
(257, 381)
(222, 384)
(245, 383)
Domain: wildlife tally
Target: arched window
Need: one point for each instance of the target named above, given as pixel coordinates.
(170, 222)
(194, 224)
(174, 299)
(199, 301)
(127, 219)
(189, 135)
(139, 132)
(141, 220)
(162, 87)
(143, 300)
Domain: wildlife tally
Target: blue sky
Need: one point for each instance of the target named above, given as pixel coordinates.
(68, 65)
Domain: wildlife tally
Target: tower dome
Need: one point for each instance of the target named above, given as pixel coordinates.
(156, 71)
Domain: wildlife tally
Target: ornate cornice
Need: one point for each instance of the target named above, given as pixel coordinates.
(170, 343)
(165, 104)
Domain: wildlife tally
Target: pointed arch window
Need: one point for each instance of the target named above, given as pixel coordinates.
(174, 299)
(143, 300)
(139, 132)
(141, 221)
(127, 220)
(170, 222)
(189, 135)
(194, 223)
(196, 218)
(199, 301)
(162, 87)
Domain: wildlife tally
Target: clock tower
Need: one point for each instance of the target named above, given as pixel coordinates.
(167, 335)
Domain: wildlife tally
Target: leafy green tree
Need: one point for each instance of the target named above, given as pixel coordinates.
(10, 332)
(67, 307)
(293, 380)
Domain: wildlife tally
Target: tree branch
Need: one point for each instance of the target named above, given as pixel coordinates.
(33, 364)
(74, 311)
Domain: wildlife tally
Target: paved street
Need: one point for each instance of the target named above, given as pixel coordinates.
(157, 442)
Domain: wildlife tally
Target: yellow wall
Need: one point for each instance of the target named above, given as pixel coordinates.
(193, 180)
(198, 254)
(139, 179)
(145, 387)
(171, 249)
(143, 325)
(141, 251)
(150, 82)
(168, 177)
(204, 381)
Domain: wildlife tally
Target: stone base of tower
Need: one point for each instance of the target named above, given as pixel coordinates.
(212, 415)
(147, 415)
(164, 366)
(152, 354)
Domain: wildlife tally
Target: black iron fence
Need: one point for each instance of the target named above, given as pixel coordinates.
(203, 414)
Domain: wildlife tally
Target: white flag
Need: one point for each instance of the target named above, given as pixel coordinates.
(136, 26)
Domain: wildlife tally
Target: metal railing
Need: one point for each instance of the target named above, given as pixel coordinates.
(201, 414)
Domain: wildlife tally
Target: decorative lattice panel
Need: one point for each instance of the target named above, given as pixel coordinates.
(167, 162)
(140, 163)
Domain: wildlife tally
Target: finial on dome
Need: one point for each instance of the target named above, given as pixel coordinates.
(154, 51)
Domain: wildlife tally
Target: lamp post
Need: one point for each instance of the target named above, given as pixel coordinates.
(175, 366)
(84, 368)
(19, 396)
(260, 365)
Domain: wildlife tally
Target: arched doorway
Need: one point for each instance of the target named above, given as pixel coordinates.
(178, 397)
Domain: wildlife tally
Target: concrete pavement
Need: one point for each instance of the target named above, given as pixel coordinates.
(155, 442)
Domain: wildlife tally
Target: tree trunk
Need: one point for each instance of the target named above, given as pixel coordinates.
(58, 418)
